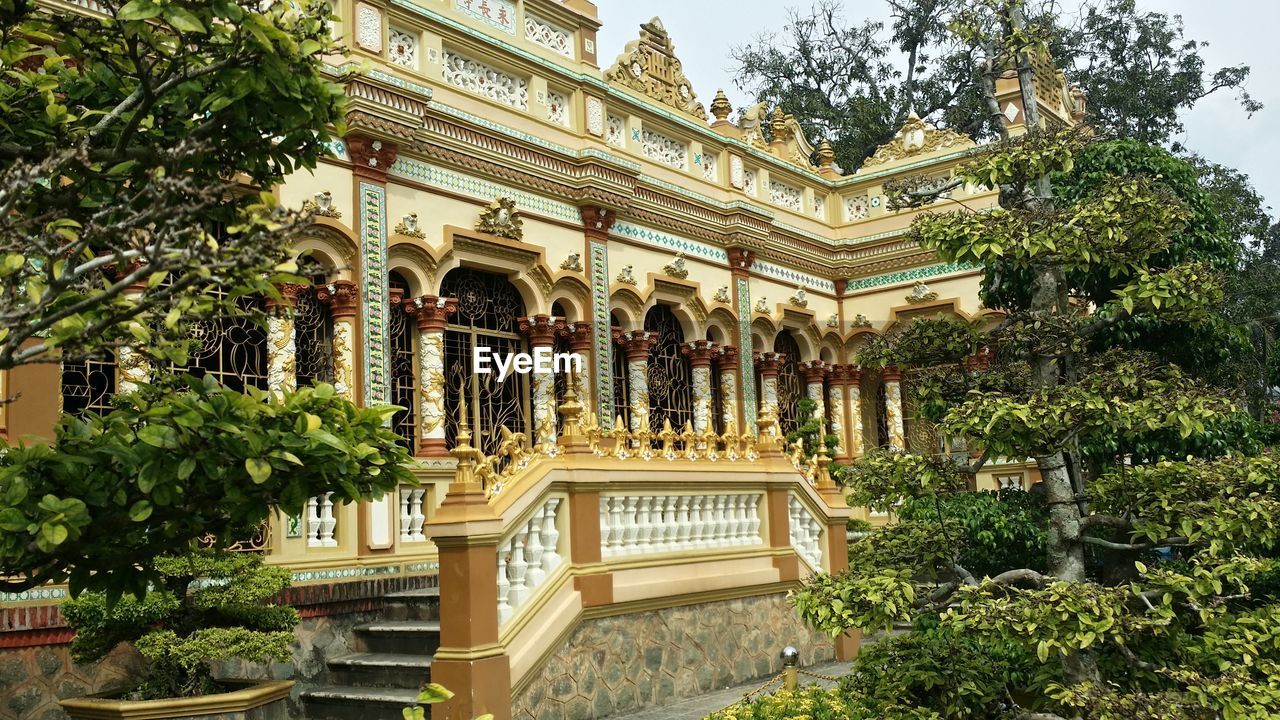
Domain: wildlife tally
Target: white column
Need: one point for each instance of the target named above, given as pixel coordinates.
(432, 315)
(893, 408)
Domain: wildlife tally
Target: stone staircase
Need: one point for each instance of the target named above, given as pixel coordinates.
(394, 662)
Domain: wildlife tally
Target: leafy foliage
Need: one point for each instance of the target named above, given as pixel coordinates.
(149, 117)
(170, 466)
(209, 607)
(997, 531)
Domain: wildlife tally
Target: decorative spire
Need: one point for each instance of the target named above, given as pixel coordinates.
(720, 106)
(826, 157)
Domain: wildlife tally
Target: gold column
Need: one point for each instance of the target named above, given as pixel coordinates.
(343, 298)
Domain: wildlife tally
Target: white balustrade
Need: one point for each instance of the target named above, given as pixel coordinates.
(650, 524)
(806, 532)
(321, 522)
(412, 515)
(527, 556)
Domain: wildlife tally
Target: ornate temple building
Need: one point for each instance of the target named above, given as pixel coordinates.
(506, 183)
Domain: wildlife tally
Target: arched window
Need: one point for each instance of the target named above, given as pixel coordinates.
(717, 397)
(621, 383)
(561, 380)
(231, 349)
(489, 308)
(87, 385)
(312, 329)
(669, 376)
(790, 383)
(403, 362)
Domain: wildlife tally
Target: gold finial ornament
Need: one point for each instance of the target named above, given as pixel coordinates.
(720, 107)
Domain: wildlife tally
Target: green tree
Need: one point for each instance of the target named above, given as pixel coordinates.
(855, 84)
(125, 142)
(1143, 608)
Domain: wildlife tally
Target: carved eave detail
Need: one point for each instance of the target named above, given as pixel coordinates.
(650, 67)
(373, 105)
(917, 137)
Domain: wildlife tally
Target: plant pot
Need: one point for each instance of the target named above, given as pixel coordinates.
(257, 701)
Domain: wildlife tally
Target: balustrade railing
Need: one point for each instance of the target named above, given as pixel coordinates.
(528, 554)
(806, 532)
(651, 524)
(321, 522)
(412, 514)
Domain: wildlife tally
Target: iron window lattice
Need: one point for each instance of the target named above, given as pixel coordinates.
(669, 375)
(403, 362)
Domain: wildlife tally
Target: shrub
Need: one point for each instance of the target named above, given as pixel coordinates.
(212, 608)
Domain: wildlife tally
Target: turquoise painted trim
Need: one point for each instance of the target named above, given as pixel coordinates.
(401, 83)
(793, 276)
(746, 362)
(671, 242)
(920, 273)
(435, 176)
(735, 204)
(337, 148)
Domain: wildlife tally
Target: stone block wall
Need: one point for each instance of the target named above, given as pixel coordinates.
(34, 679)
(614, 664)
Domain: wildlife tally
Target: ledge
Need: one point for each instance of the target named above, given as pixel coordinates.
(237, 701)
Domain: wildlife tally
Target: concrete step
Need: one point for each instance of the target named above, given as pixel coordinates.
(421, 604)
(381, 670)
(404, 637)
(345, 702)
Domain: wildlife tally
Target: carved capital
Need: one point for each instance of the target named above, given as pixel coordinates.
(815, 371)
(740, 259)
(769, 363)
(845, 375)
(891, 374)
(370, 157)
(540, 329)
(635, 343)
(699, 352)
(726, 358)
(431, 312)
(342, 297)
(597, 221)
(578, 334)
(288, 296)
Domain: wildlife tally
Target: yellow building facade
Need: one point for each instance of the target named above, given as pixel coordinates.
(505, 183)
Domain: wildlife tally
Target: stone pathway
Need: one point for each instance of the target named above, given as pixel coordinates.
(699, 707)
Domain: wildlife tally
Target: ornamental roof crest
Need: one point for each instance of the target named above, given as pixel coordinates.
(917, 137)
(649, 66)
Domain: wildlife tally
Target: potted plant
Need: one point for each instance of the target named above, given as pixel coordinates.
(211, 607)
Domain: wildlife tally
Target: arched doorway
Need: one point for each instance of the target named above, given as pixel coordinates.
(790, 383)
(669, 375)
(489, 308)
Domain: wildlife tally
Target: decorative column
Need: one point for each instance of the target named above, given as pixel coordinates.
(837, 393)
(596, 222)
(769, 363)
(343, 299)
(580, 341)
(892, 379)
(134, 368)
(856, 443)
(740, 261)
(282, 348)
(432, 314)
(371, 159)
(700, 353)
(726, 359)
(815, 372)
(541, 331)
(636, 345)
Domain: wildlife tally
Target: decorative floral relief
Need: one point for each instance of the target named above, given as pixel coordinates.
(595, 116)
(665, 150)
(499, 13)
(785, 195)
(477, 77)
(615, 131)
(557, 108)
(722, 295)
(735, 171)
(709, 167)
(856, 207)
(541, 32)
(369, 27)
(819, 206)
(749, 182)
(402, 47)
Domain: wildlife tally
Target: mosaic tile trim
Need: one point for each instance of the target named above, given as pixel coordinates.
(422, 567)
(600, 331)
(373, 289)
(919, 273)
(35, 595)
(793, 276)
(747, 365)
(337, 148)
(428, 174)
(679, 244)
(401, 83)
(345, 573)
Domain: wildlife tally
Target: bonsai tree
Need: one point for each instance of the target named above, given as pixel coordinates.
(1152, 597)
(210, 607)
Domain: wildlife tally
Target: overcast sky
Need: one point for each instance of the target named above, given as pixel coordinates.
(1238, 31)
